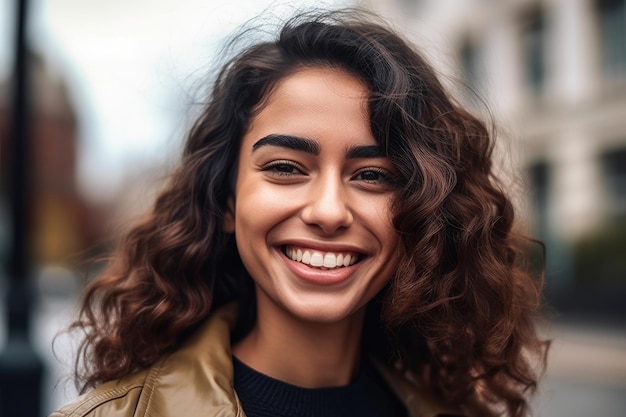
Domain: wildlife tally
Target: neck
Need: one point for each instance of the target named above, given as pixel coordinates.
(306, 354)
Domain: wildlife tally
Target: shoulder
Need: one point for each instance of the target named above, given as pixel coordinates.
(193, 380)
(118, 398)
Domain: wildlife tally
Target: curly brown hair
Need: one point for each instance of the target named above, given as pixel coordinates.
(458, 312)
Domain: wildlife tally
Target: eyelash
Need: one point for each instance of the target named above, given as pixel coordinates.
(383, 174)
(273, 168)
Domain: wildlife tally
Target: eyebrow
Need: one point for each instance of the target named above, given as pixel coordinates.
(289, 142)
(310, 146)
(370, 151)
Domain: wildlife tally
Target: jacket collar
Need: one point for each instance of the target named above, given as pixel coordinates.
(197, 379)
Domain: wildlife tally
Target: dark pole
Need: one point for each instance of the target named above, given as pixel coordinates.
(21, 369)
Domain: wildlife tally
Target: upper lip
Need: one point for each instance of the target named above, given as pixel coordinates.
(325, 246)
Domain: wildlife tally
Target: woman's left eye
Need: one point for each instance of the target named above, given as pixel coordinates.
(372, 175)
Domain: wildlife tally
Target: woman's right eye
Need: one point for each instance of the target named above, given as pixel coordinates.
(283, 168)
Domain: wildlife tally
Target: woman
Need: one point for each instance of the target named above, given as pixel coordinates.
(334, 242)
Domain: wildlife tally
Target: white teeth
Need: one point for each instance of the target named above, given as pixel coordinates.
(306, 257)
(319, 259)
(329, 260)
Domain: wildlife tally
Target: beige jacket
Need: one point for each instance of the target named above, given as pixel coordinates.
(197, 381)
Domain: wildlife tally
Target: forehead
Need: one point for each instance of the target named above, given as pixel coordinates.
(318, 99)
(315, 80)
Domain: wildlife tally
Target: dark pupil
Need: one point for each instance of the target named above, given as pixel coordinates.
(284, 168)
(369, 175)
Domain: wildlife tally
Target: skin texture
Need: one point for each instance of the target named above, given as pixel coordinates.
(330, 197)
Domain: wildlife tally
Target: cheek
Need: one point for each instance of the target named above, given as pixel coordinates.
(392, 235)
(258, 209)
(390, 241)
(380, 219)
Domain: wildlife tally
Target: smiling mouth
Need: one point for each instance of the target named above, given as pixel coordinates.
(319, 259)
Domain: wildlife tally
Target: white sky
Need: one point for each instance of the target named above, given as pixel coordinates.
(130, 66)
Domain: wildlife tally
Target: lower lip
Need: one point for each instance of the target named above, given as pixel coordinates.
(317, 276)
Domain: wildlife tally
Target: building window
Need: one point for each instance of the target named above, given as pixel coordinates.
(472, 65)
(409, 5)
(614, 167)
(534, 49)
(539, 177)
(612, 26)
(599, 255)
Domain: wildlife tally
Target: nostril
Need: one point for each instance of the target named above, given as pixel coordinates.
(328, 218)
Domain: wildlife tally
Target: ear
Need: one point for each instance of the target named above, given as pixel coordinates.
(228, 225)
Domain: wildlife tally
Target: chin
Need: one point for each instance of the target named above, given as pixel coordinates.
(325, 312)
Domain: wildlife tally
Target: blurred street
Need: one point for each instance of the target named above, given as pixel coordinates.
(586, 374)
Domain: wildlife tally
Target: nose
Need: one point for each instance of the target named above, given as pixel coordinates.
(327, 205)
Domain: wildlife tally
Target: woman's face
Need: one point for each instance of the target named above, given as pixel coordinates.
(312, 207)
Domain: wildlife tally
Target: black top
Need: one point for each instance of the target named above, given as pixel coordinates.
(264, 396)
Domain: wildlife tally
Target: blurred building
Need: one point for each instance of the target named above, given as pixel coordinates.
(64, 226)
(553, 73)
